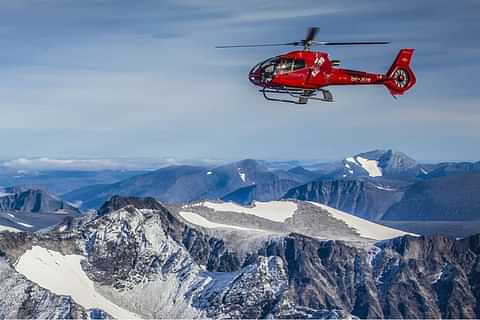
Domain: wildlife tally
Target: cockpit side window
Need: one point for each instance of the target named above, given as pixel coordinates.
(288, 65)
(284, 66)
(299, 64)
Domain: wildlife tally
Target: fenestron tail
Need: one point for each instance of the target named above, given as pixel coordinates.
(400, 76)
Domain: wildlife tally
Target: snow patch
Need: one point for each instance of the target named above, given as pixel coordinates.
(197, 219)
(437, 277)
(10, 215)
(372, 253)
(242, 175)
(365, 228)
(5, 228)
(371, 166)
(4, 194)
(64, 275)
(61, 211)
(385, 188)
(209, 173)
(350, 159)
(277, 211)
(26, 225)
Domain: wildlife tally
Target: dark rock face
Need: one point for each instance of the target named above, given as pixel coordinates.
(33, 201)
(451, 197)
(361, 197)
(439, 275)
(243, 196)
(261, 192)
(406, 277)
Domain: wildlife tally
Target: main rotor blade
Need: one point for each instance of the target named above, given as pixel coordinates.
(326, 43)
(259, 45)
(311, 34)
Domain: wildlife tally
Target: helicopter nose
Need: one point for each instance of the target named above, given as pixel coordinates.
(255, 77)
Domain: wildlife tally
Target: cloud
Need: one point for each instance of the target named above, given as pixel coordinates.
(68, 164)
(49, 164)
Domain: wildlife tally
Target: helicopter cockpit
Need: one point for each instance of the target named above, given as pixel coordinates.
(266, 70)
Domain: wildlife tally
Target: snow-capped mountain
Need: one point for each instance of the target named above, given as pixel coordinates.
(139, 259)
(280, 217)
(381, 163)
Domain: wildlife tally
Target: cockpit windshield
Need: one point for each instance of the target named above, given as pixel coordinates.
(267, 69)
(279, 65)
(268, 66)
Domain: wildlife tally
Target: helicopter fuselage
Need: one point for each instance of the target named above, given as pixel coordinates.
(312, 70)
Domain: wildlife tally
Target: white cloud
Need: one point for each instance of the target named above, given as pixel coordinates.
(65, 164)
(46, 164)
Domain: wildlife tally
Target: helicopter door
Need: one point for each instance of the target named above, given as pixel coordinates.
(291, 72)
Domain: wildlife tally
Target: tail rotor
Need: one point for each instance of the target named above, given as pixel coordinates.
(400, 76)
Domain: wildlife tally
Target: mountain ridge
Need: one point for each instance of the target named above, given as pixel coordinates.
(294, 276)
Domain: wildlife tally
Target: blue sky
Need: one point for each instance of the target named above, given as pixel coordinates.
(142, 79)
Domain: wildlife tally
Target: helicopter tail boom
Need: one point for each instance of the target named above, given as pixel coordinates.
(400, 76)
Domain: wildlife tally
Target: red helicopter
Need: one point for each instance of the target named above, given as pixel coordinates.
(304, 74)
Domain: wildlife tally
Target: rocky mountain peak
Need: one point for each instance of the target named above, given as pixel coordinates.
(118, 202)
(396, 160)
(33, 201)
(389, 159)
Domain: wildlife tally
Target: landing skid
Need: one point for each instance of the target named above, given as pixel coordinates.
(299, 96)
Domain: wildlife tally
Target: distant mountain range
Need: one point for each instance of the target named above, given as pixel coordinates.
(379, 185)
(376, 185)
(183, 184)
(61, 181)
(399, 189)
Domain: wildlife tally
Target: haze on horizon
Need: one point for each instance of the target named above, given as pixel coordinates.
(109, 79)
